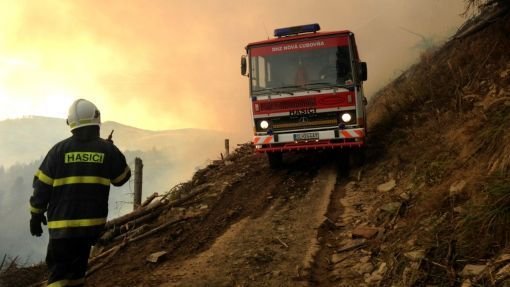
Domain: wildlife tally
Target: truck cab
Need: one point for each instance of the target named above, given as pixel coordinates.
(306, 91)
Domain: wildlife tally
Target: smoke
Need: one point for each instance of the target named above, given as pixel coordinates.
(173, 64)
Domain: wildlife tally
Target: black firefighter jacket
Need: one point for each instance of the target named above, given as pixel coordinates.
(73, 184)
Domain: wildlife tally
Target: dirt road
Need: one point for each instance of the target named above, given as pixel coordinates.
(259, 227)
(272, 249)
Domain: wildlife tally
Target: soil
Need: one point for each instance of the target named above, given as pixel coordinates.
(257, 232)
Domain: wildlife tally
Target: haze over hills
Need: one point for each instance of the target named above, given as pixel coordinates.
(169, 157)
(26, 139)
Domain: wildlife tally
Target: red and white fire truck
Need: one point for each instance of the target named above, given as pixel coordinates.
(306, 90)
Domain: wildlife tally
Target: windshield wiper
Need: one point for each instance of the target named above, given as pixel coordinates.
(317, 87)
(276, 90)
(323, 85)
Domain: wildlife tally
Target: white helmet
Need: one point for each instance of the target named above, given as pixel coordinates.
(83, 113)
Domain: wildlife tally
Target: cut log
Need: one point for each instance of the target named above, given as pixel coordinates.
(133, 215)
(139, 221)
(149, 199)
(132, 233)
(157, 229)
(112, 252)
(148, 209)
(198, 190)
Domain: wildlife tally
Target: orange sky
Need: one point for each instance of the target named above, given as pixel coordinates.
(174, 64)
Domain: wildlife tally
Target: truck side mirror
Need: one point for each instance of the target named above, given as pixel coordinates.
(363, 71)
(243, 65)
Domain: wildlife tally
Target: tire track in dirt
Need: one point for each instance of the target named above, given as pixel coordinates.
(347, 239)
(328, 234)
(273, 249)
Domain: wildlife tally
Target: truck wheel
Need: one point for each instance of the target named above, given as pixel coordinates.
(342, 161)
(275, 159)
(357, 158)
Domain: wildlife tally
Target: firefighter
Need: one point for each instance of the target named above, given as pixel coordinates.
(301, 75)
(72, 187)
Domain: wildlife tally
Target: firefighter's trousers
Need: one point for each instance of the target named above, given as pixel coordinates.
(67, 261)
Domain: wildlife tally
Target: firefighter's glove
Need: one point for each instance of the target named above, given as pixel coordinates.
(35, 224)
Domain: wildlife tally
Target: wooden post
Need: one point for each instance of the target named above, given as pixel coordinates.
(227, 147)
(138, 183)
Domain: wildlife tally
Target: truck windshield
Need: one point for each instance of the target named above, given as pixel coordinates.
(311, 69)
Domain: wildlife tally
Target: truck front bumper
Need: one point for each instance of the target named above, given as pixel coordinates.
(329, 139)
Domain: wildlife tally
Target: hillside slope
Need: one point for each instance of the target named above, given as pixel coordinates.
(429, 208)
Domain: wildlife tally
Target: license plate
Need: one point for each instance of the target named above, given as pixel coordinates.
(306, 136)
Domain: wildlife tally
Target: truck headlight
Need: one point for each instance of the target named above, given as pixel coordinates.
(346, 117)
(264, 124)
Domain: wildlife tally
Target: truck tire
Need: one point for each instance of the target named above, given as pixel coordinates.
(342, 161)
(275, 159)
(357, 158)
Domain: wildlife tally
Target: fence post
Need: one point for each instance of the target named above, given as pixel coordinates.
(137, 197)
(227, 147)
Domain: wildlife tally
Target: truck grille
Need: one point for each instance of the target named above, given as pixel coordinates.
(305, 122)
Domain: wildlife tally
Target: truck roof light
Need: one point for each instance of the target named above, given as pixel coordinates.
(310, 28)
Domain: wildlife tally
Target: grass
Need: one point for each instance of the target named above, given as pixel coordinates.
(483, 231)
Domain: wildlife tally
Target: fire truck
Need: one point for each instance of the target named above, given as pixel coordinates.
(306, 90)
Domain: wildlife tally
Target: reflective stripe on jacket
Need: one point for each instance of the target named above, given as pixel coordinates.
(73, 184)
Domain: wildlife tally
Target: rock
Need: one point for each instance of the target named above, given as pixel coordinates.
(388, 186)
(156, 256)
(405, 196)
(416, 255)
(363, 268)
(365, 232)
(228, 162)
(391, 207)
(466, 283)
(471, 270)
(377, 275)
(457, 187)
